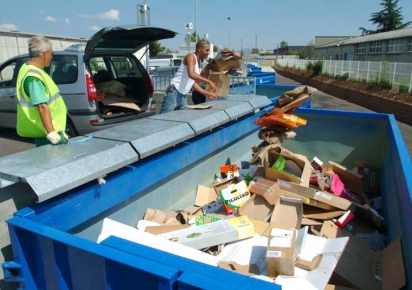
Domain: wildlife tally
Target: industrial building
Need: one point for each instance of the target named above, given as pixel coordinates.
(391, 46)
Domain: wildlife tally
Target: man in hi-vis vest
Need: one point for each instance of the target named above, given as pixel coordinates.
(41, 112)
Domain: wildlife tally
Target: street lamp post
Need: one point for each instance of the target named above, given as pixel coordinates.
(229, 31)
(241, 46)
(197, 32)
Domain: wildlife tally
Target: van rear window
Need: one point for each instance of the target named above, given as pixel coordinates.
(63, 69)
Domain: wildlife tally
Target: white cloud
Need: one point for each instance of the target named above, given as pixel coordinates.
(50, 19)
(94, 28)
(8, 26)
(42, 12)
(84, 16)
(67, 21)
(109, 15)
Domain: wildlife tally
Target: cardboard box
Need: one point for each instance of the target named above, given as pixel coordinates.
(256, 208)
(307, 200)
(300, 160)
(287, 213)
(364, 268)
(160, 229)
(220, 232)
(245, 257)
(324, 197)
(267, 189)
(205, 195)
(371, 177)
(350, 179)
(222, 81)
(280, 258)
(319, 214)
(234, 195)
(330, 251)
(114, 228)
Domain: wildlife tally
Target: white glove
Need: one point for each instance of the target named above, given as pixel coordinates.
(57, 138)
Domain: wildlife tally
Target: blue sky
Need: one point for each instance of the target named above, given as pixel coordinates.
(271, 21)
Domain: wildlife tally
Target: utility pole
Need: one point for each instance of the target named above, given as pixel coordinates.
(197, 32)
(229, 32)
(256, 40)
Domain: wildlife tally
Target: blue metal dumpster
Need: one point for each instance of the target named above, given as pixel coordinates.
(54, 241)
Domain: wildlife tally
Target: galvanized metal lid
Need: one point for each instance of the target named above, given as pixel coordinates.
(234, 109)
(255, 101)
(148, 136)
(199, 120)
(52, 170)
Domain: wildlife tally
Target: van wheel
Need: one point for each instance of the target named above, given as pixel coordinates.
(70, 129)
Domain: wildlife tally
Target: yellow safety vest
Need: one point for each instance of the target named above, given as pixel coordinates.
(29, 123)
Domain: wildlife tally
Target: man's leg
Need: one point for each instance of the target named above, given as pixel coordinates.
(170, 101)
(181, 101)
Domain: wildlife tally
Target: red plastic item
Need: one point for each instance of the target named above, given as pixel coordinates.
(345, 219)
(284, 120)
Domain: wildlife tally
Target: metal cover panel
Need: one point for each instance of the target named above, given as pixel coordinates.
(52, 170)
(256, 101)
(200, 120)
(232, 108)
(149, 136)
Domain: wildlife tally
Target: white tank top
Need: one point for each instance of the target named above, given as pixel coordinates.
(181, 80)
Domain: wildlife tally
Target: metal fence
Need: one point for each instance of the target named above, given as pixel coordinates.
(396, 74)
(238, 84)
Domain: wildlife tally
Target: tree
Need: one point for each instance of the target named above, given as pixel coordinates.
(193, 37)
(255, 51)
(169, 50)
(388, 19)
(308, 51)
(155, 47)
(284, 44)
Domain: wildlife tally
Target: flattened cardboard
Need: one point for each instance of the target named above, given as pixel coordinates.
(331, 251)
(205, 195)
(371, 176)
(261, 228)
(199, 106)
(350, 179)
(267, 189)
(113, 228)
(256, 208)
(287, 213)
(155, 230)
(334, 287)
(319, 214)
(222, 81)
(280, 256)
(300, 160)
(245, 257)
(220, 232)
(309, 222)
(355, 265)
(308, 201)
(308, 265)
(324, 197)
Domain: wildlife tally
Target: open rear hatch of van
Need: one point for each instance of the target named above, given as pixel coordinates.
(123, 85)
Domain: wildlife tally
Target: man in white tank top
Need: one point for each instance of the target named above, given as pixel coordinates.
(186, 77)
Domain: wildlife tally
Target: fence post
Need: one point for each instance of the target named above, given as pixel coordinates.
(358, 72)
(410, 84)
(350, 69)
(380, 70)
(367, 74)
(341, 71)
(393, 78)
(335, 67)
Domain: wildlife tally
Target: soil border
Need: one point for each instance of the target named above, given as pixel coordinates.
(401, 111)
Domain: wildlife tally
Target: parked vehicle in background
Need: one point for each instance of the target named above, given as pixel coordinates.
(102, 83)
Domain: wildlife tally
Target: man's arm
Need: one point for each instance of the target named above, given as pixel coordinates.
(198, 88)
(190, 63)
(45, 117)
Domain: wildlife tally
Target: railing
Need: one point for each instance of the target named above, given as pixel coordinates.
(396, 74)
(238, 84)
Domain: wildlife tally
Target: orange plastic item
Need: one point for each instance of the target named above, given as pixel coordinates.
(285, 120)
(101, 95)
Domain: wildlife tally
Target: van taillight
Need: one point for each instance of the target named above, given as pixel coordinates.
(149, 82)
(91, 88)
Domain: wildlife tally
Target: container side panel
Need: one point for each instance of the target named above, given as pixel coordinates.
(62, 265)
(120, 276)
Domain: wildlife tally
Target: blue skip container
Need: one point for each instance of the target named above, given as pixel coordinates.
(54, 242)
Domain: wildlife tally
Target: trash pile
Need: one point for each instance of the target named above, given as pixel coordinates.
(282, 217)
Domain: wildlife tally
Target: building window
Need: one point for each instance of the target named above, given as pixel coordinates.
(410, 45)
(375, 47)
(360, 48)
(394, 45)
